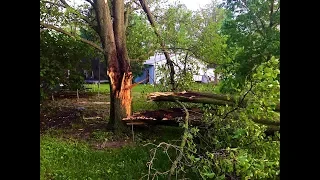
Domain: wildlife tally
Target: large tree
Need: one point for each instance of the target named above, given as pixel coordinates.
(253, 30)
(108, 19)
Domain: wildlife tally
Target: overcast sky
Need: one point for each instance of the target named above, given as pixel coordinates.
(191, 4)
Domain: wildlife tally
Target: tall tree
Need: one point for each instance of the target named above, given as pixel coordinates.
(110, 26)
(253, 30)
(211, 45)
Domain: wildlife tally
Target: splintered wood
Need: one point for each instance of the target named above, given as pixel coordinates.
(175, 115)
(163, 116)
(193, 97)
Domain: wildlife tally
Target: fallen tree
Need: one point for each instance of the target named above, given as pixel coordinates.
(197, 97)
(171, 116)
(174, 116)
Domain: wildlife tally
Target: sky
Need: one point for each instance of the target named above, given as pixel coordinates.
(191, 4)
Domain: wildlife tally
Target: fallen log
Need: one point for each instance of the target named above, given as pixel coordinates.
(266, 122)
(170, 116)
(271, 130)
(199, 97)
(174, 116)
(189, 97)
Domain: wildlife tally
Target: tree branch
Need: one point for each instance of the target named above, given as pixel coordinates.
(126, 21)
(162, 44)
(53, 3)
(241, 101)
(183, 142)
(244, 4)
(71, 35)
(66, 5)
(128, 10)
(89, 1)
(271, 13)
(41, 30)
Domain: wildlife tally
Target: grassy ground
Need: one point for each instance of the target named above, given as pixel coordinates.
(74, 143)
(105, 88)
(146, 88)
(71, 159)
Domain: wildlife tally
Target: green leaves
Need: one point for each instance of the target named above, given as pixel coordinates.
(141, 42)
(209, 175)
(253, 30)
(239, 133)
(238, 147)
(58, 54)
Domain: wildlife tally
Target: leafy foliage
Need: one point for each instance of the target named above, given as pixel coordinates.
(253, 31)
(231, 144)
(141, 42)
(61, 55)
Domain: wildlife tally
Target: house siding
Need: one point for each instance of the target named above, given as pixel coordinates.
(200, 74)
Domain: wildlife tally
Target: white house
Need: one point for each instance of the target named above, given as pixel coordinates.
(153, 74)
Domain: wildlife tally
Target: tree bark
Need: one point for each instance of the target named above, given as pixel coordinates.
(71, 35)
(162, 44)
(172, 97)
(193, 97)
(185, 64)
(112, 38)
(114, 44)
(199, 97)
(215, 75)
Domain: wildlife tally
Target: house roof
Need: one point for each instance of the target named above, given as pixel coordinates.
(156, 58)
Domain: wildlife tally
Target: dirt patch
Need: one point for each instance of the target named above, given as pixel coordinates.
(58, 118)
(75, 118)
(112, 144)
(72, 94)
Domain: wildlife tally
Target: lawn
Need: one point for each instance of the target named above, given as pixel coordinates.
(75, 144)
(71, 159)
(105, 88)
(146, 88)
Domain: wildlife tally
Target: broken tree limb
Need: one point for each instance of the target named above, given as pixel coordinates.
(199, 97)
(266, 122)
(183, 142)
(146, 9)
(172, 98)
(271, 130)
(191, 97)
(171, 114)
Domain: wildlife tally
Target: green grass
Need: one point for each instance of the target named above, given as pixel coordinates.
(139, 94)
(71, 159)
(147, 88)
(105, 88)
(76, 159)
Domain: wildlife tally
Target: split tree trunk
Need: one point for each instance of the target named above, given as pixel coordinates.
(112, 38)
(115, 52)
